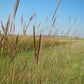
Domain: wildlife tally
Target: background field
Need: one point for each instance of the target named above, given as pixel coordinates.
(62, 64)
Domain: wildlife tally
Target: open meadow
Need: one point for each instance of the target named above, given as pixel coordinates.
(40, 59)
(61, 64)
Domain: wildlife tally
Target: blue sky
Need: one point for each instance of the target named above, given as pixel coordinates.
(44, 9)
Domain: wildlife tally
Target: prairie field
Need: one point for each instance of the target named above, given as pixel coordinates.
(44, 57)
(62, 64)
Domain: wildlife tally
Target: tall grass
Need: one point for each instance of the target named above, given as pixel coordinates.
(39, 59)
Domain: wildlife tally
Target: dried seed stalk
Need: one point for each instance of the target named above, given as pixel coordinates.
(34, 40)
(16, 6)
(36, 47)
(2, 26)
(6, 30)
(29, 22)
(56, 9)
(54, 21)
(14, 50)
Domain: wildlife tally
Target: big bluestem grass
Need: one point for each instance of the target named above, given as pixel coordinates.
(39, 59)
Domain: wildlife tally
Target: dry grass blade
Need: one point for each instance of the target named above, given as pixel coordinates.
(15, 49)
(36, 48)
(34, 40)
(30, 21)
(17, 39)
(25, 64)
(32, 16)
(2, 39)
(39, 42)
(54, 21)
(2, 25)
(56, 9)
(11, 27)
(5, 31)
(16, 6)
(24, 25)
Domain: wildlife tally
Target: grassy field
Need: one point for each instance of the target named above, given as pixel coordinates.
(60, 64)
(41, 59)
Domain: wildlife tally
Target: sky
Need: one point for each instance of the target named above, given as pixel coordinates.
(45, 9)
